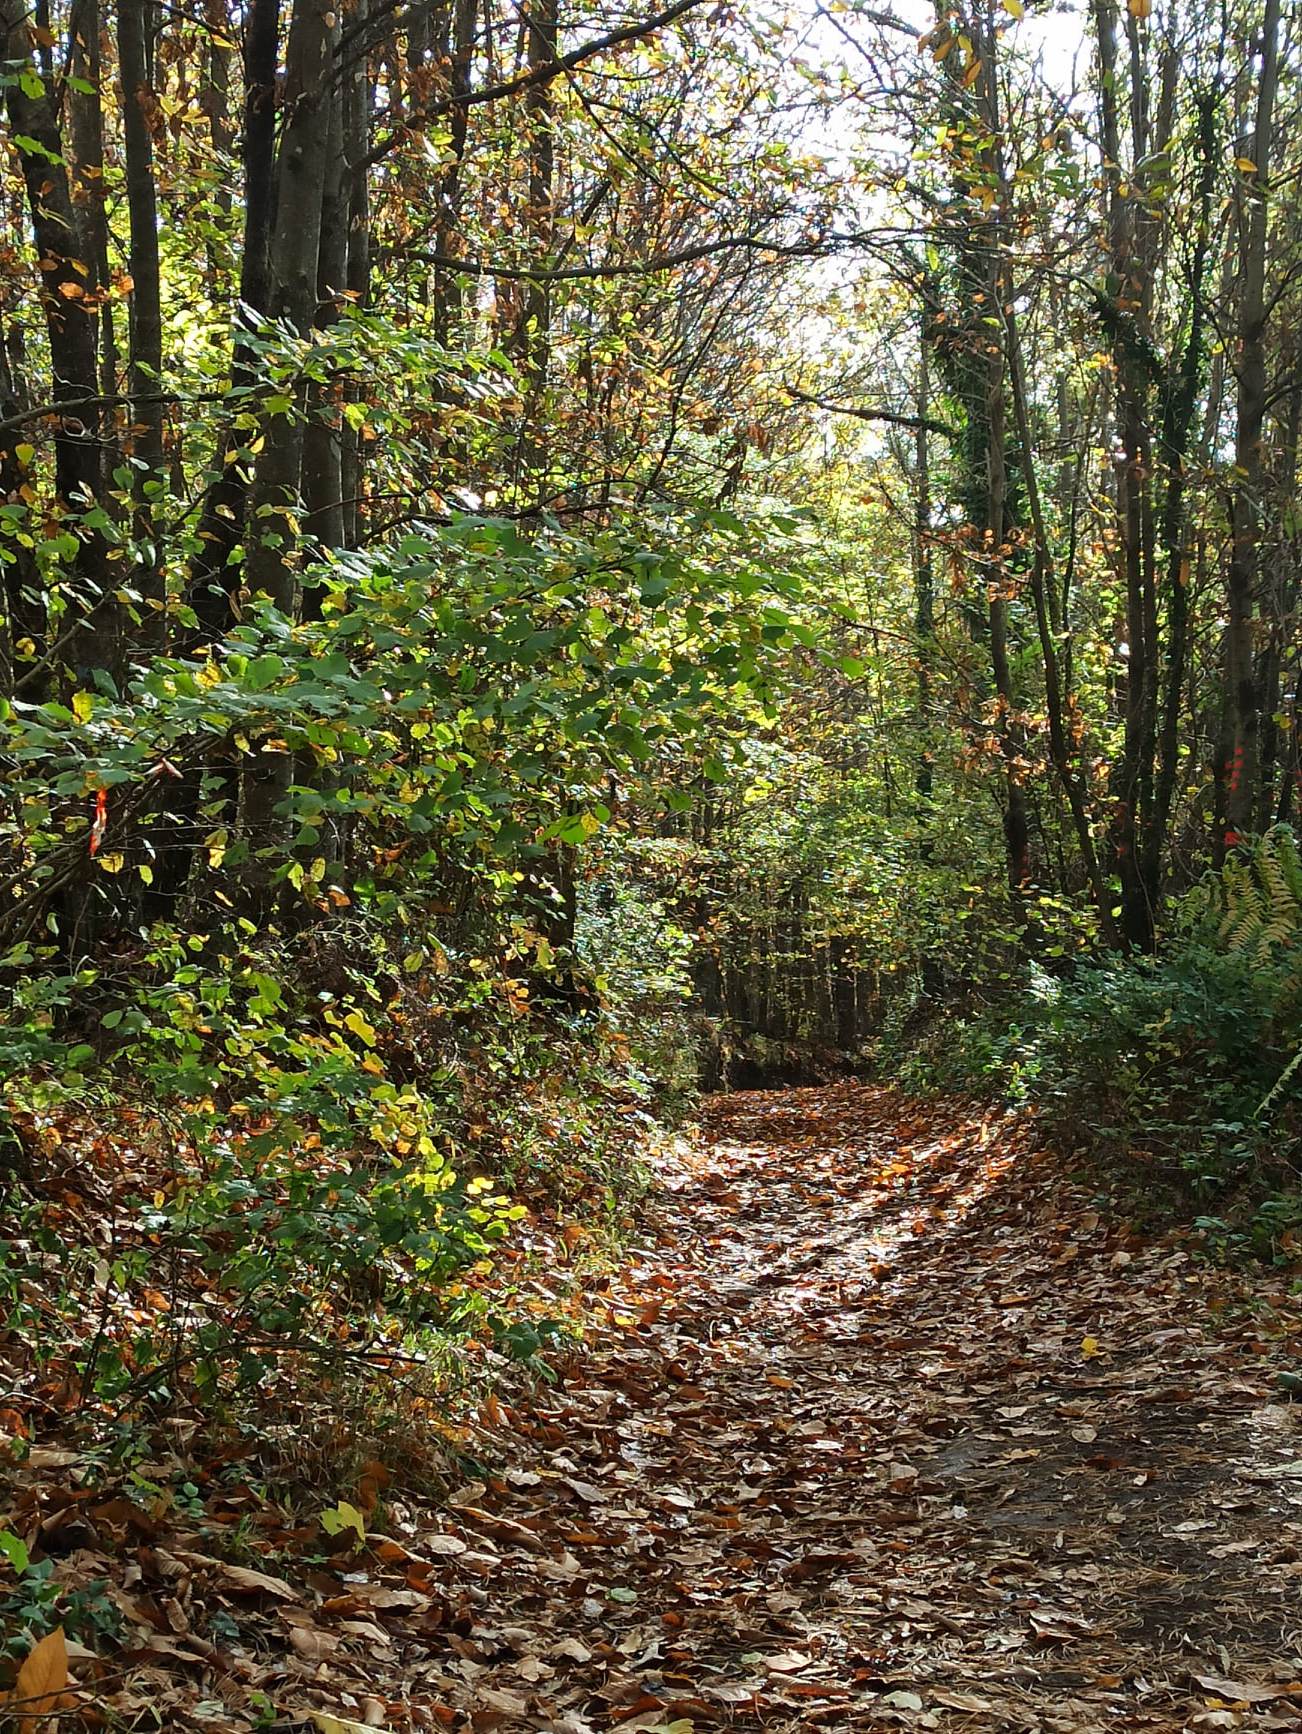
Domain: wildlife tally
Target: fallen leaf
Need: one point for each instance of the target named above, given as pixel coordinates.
(242, 1577)
(43, 1677)
(1240, 1691)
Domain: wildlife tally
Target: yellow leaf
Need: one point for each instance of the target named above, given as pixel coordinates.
(1015, 8)
(42, 1677)
(344, 1516)
(1090, 1348)
(111, 863)
(328, 1724)
(1246, 164)
(1140, 8)
(359, 1026)
(82, 706)
(24, 453)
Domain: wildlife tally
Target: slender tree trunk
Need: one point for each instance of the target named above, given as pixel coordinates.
(1127, 316)
(1280, 598)
(1017, 831)
(924, 579)
(146, 312)
(213, 576)
(292, 298)
(1177, 432)
(448, 235)
(1237, 765)
(215, 100)
(85, 110)
(70, 325)
(24, 603)
(357, 110)
(272, 533)
(323, 494)
(1043, 585)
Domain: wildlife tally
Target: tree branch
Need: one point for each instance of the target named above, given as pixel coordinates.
(544, 74)
(635, 268)
(105, 400)
(895, 418)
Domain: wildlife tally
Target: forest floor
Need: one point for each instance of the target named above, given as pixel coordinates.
(886, 1425)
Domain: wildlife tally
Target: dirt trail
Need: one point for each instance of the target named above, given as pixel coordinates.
(905, 1435)
(884, 1426)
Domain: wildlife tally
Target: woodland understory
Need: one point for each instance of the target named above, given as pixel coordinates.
(650, 887)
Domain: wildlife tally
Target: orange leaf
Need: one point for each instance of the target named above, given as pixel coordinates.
(42, 1677)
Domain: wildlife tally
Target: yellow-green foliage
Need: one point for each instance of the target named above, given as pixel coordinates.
(1254, 904)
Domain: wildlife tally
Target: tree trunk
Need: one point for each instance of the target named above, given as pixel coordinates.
(1126, 314)
(146, 312)
(213, 578)
(292, 292)
(272, 533)
(91, 625)
(1237, 763)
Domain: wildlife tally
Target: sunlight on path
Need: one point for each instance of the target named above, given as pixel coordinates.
(903, 1435)
(889, 1429)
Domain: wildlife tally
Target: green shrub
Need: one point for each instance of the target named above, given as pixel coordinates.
(1172, 1058)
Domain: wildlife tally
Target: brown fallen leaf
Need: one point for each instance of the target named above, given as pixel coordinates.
(1240, 1691)
(572, 1650)
(443, 1546)
(42, 1679)
(787, 1662)
(961, 1701)
(243, 1577)
(312, 1643)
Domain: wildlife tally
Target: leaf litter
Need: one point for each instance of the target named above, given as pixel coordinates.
(882, 1424)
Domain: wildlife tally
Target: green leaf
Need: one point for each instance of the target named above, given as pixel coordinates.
(15, 1551)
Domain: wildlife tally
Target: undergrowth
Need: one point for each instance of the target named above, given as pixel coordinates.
(1177, 1075)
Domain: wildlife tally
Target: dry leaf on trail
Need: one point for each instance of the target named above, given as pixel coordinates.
(572, 1650)
(470, 1494)
(444, 1546)
(312, 1643)
(505, 1703)
(53, 1457)
(43, 1678)
(326, 1723)
(788, 1662)
(244, 1578)
(503, 1528)
(1240, 1691)
(961, 1701)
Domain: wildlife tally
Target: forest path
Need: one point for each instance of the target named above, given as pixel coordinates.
(891, 1429)
(884, 1425)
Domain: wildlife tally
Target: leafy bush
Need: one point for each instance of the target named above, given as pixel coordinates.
(632, 942)
(1171, 1058)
